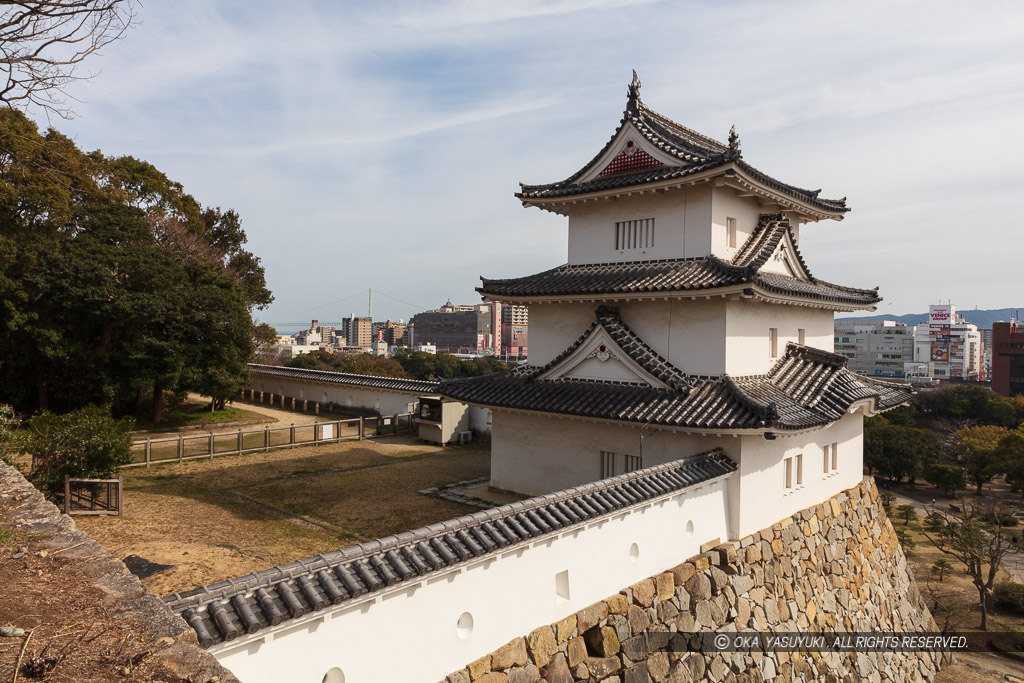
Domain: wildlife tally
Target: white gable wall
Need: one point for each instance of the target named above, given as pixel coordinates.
(688, 333)
(536, 454)
(747, 343)
(682, 226)
(759, 497)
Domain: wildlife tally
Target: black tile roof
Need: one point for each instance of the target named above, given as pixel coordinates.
(693, 152)
(413, 386)
(249, 604)
(806, 388)
(684, 274)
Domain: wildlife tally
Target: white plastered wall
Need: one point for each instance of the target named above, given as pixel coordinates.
(536, 454)
(346, 396)
(688, 333)
(682, 223)
(747, 346)
(759, 493)
(507, 594)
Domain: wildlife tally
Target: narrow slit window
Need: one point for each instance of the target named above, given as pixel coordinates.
(730, 229)
(633, 463)
(638, 234)
(826, 463)
(607, 464)
(799, 469)
(789, 473)
(801, 336)
(835, 456)
(773, 342)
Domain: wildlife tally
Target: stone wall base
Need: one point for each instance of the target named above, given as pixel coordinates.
(834, 567)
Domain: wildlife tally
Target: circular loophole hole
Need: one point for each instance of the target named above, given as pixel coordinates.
(465, 625)
(335, 675)
(689, 528)
(634, 552)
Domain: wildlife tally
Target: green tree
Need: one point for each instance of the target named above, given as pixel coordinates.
(82, 443)
(949, 478)
(898, 451)
(8, 428)
(112, 279)
(980, 547)
(942, 566)
(981, 454)
(908, 513)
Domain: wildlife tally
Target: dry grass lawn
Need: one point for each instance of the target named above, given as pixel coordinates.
(189, 516)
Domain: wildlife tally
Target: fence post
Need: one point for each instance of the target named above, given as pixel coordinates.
(316, 433)
(291, 435)
(67, 494)
(394, 422)
(181, 448)
(239, 440)
(360, 438)
(149, 451)
(266, 437)
(211, 445)
(120, 497)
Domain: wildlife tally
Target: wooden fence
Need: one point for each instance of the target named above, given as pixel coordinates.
(184, 447)
(93, 496)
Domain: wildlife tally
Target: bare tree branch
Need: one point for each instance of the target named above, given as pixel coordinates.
(44, 42)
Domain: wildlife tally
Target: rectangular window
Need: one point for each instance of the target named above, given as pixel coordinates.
(632, 462)
(799, 469)
(607, 464)
(835, 456)
(801, 336)
(789, 473)
(826, 463)
(730, 229)
(634, 234)
(773, 342)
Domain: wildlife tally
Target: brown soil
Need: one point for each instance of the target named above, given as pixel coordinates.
(70, 635)
(190, 515)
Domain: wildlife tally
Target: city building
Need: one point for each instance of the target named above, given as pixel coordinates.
(879, 348)
(515, 322)
(1008, 358)
(455, 329)
(945, 348)
(986, 355)
(685, 320)
(358, 332)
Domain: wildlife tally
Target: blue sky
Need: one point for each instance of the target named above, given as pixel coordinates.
(380, 144)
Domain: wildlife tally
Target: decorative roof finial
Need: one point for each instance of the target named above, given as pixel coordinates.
(734, 144)
(633, 94)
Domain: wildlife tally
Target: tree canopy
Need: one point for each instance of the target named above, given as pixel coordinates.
(114, 282)
(405, 363)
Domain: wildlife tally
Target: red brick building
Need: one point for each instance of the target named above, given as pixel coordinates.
(1008, 359)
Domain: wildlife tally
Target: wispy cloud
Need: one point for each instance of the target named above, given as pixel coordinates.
(379, 145)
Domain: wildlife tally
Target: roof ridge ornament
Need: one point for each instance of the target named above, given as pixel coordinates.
(633, 95)
(734, 152)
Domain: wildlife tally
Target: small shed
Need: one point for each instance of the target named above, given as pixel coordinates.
(442, 420)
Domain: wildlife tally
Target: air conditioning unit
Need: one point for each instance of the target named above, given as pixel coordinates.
(465, 437)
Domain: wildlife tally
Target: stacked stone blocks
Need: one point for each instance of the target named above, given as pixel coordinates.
(834, 567)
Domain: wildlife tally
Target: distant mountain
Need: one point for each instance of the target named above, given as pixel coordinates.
(982, 318)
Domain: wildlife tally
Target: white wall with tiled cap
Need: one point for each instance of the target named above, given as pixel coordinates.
(458, 615)
(761, 497)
